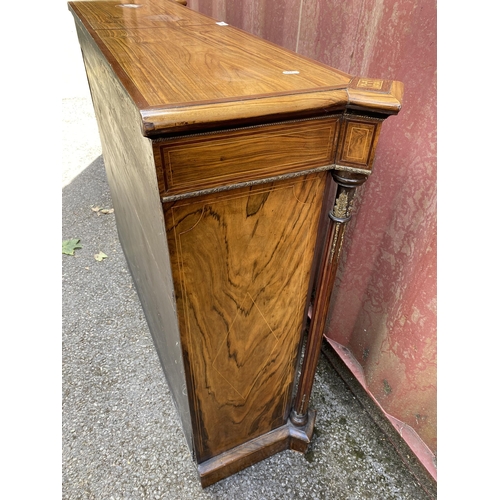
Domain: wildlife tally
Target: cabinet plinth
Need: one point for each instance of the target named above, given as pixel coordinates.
(219, 149)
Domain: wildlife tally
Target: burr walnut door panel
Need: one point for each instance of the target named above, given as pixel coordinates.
(241, 263)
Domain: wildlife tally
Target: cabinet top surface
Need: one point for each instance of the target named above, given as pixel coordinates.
(169, 57)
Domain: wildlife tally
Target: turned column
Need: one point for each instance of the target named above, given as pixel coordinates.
(339, 216)
(354, 159)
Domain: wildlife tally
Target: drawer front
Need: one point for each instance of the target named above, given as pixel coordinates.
(194, 163)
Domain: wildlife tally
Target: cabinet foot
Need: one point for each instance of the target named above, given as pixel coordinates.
(286, 437)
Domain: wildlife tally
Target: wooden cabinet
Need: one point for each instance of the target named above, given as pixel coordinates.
(220, 149)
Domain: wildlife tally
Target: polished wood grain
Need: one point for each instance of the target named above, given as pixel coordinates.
(212, 61)
(218, 147)
(358, 141)
(241, 311)
(136, 14)
(199, 162)
(222, 74)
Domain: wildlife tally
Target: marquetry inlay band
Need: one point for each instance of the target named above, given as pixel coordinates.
(367, 83)
(372, 85)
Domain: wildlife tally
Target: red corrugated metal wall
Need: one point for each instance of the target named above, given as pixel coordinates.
(384, 304)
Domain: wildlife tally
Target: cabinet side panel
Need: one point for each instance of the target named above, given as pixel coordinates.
(130, 170)
(242, 263)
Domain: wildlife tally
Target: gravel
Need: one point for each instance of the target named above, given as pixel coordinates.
(121, 437)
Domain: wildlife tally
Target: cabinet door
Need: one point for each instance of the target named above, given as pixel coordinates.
(241, 262)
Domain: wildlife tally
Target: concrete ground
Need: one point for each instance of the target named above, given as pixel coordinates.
(120, 432)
